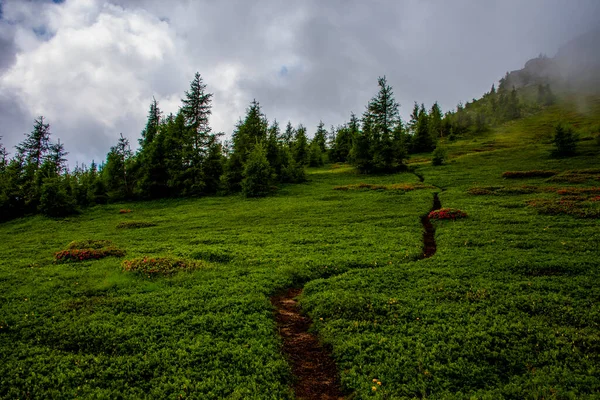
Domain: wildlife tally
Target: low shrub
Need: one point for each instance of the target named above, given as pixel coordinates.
(135, 224)
(212, 256)
(159, 266)
(75, 255)
(565, 141)
(566, 206)
(447, 213)
(503, 190)
(570, 178)
(577, 191)
(394, 186)
(89, 249)
(528, 174)
(439, 156)
(89, 244)
(577, 176)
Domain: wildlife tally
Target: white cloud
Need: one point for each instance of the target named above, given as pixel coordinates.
(92, 66)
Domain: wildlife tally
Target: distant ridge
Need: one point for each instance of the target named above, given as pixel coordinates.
(575, 67)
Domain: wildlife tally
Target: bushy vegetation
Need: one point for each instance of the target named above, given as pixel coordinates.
(159, 266)
(506, 308)
(135, 224)
(84, 250)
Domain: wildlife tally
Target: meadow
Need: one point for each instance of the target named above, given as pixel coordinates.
(508, 306)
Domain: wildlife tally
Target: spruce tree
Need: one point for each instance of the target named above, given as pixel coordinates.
(257, 173)
(56, 159)
(414, 119)
(36, 144)
(115, 170)
(315, 156)
(273, 147)
(422, 140)
(152, 125)
(435, 120)
(565, 141)
(196, 110)
(248, 133)
(362, 155)
(288, 136)
(320, 137)
(384, 118)
(300, 150)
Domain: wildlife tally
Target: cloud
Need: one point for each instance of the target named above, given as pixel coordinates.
(92, 66)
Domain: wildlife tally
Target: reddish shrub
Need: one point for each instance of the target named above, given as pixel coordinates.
(124, 211)
(74, 255)
(447, 213)
(528, 174)
(394, 186)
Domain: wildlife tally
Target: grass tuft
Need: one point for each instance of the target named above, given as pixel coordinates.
(159, 265)
(135, 224)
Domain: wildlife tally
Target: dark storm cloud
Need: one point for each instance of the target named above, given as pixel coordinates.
(305, 61)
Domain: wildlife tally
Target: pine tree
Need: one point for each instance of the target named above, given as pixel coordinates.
(288, 135)
(212, 168)
(422, 140)
(272, 147)
(153, 124)
(565, 141)
(196, 110)
(362, 148)
(414, 119)
(257, 173)
(56, 158)
(249, 133)
(384, 117)
(3, 157)
(115, 170)
(320, 137)
(300, 146)
(36, 145)
(435, 120)
(315, 157)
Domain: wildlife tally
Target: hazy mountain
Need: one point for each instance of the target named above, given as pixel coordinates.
(576, 66)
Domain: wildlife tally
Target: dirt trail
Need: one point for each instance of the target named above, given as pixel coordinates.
(312, 365)
(429, 245)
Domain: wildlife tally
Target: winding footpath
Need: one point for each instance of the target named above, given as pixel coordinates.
(429, 245)
(313, 367)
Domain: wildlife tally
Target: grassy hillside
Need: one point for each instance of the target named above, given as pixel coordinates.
(508, 307)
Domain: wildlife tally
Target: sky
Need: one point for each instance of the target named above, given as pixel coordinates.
(92, 67)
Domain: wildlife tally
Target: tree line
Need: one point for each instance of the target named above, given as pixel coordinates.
(180, 156)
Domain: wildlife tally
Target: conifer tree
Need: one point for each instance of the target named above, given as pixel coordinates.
(115, 170)
(300, 146)
(422, 140)
(272, 146)
(248, 133)
(288, 135)
(414, 119)
(435, 120)
(362, 154)
(196, 110)
(153, 124)
(36, 145)
(320, 137)
(257, 173)
(56, 159)
(315, 157)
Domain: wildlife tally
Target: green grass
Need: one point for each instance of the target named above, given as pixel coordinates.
(508, 307)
